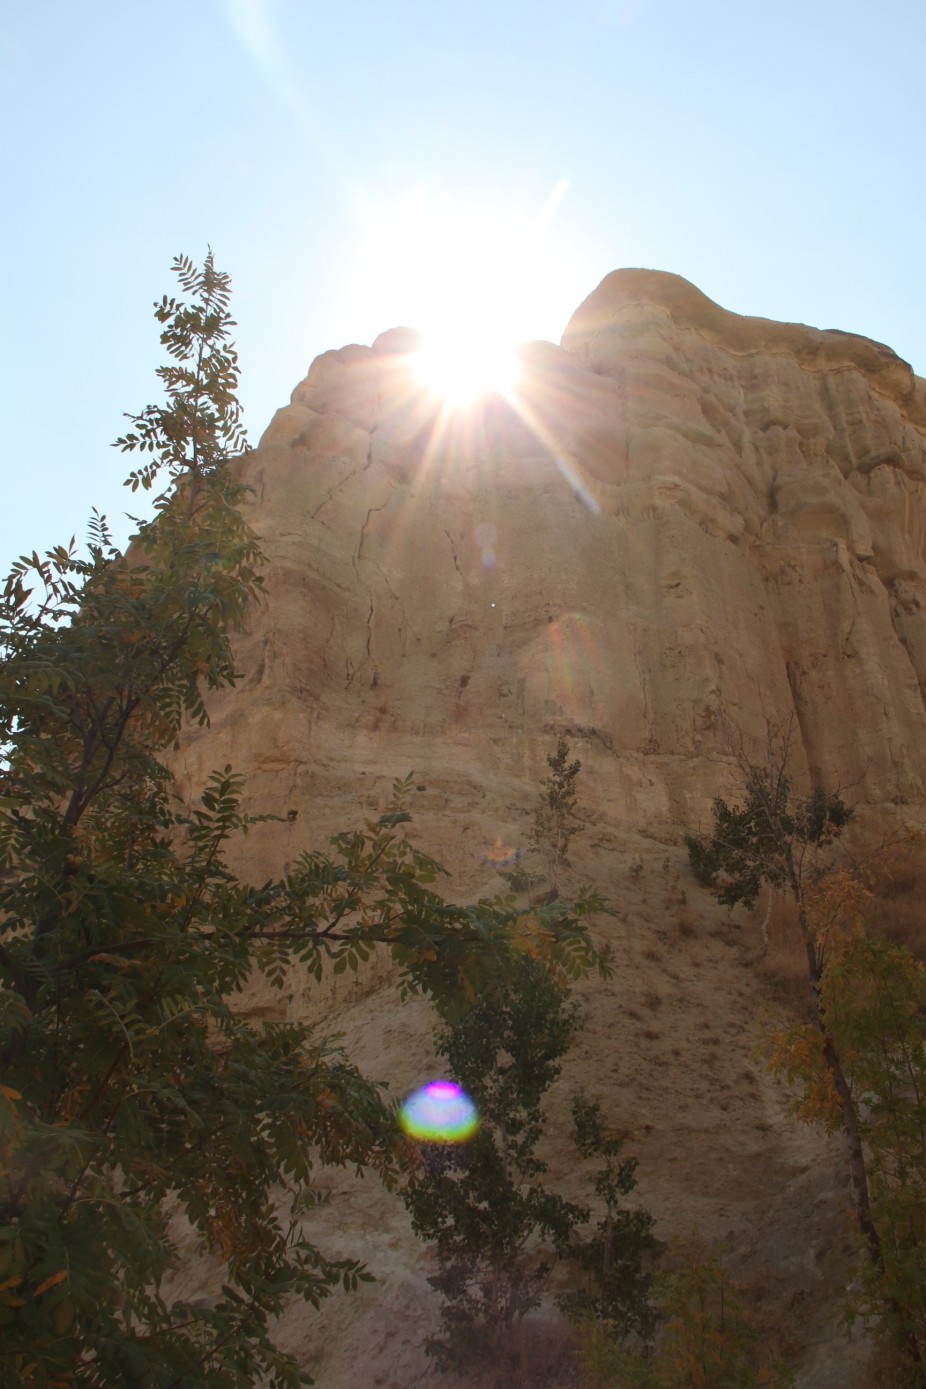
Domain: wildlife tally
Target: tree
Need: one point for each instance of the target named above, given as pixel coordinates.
(770, 839)
(498, 1230)
(134, 1101)
(873, 1000)
(710, 1340)
(555, 819)
(490, 1216)
(775, 838)
(707, 1340)
(614, 1284)
(555, 822)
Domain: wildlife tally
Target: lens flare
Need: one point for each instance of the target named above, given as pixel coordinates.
(439, 1113)
(485, 536)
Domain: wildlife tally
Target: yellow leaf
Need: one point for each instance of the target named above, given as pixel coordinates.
(11, 1282)
(51, 1282)
(9, 1094)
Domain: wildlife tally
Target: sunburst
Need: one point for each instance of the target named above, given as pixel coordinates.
(476, 280)
(461, 370)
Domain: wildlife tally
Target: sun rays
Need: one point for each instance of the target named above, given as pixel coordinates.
(475, 280)
(460, 372)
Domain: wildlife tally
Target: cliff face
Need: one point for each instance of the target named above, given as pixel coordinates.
(684, 512)
(687, 521)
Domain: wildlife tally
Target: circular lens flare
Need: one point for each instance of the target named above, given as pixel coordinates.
(439, 1113)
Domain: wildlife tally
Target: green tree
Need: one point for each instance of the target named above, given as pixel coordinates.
(490, 1215)
(775, 838)
(554, 822)
(497, 1228)
(555, 819)
(131, 1092)
(611, 1283)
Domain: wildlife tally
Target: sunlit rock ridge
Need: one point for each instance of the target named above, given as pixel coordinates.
(684, 514)
(684, 526)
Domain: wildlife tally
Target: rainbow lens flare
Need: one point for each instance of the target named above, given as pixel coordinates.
(439, 1113)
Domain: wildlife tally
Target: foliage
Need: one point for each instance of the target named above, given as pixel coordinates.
(613, 1285)
(873, 997)
(708, 1338)
(100, 664)
(555, 819)
(498, 1231)
(767, 841)
(489, 1216)
(833, 1058)
(136, 1106)
(764, 840)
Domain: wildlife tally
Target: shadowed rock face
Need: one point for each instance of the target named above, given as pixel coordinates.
(686, 521)
(684, 511)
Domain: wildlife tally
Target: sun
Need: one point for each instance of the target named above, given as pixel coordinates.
(475, 278)
(462, 369)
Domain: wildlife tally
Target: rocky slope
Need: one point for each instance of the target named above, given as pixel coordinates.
(685, 522)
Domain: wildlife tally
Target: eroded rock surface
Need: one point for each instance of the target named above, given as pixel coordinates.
(685, 522)
(683, 511)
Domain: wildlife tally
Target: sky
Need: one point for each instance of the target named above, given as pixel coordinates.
(453, 165)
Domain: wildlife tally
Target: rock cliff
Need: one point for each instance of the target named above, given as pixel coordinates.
(683, 521)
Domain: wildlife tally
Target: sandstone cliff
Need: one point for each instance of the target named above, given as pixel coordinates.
(686, 521)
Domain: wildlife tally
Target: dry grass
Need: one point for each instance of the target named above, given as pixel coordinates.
(784, 965)
(780, 1336)
(685, 923)
(898, 906)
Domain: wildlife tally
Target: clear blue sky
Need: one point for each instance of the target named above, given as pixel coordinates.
(771, 153)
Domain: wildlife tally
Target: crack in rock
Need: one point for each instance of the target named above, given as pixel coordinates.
(354, 472)
(453, 551)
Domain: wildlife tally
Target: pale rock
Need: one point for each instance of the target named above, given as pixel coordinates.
(689, 521)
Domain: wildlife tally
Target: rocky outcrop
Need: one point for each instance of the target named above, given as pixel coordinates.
(682, 511)
(683, 522)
